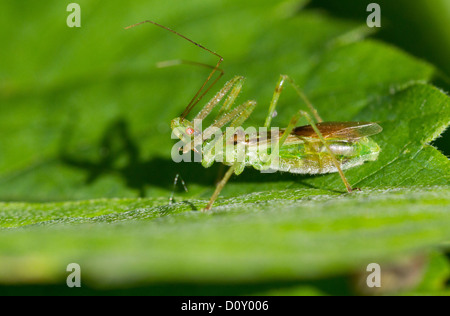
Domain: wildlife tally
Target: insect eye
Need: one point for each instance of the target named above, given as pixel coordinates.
(189, 130)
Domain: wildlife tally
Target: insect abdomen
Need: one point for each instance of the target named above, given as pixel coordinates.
(313, 158)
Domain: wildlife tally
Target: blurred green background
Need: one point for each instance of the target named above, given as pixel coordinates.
(85, 113)
(419, 27)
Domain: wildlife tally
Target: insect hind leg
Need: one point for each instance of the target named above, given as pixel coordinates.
(302, 95)
(294, 121)
(276, 96)
(324, 142)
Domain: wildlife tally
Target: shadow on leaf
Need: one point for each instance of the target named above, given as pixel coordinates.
(118, 153)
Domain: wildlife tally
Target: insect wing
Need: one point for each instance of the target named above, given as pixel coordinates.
(342, 130)
(355, 130)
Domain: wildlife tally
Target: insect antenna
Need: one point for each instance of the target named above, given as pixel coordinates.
(205, 87)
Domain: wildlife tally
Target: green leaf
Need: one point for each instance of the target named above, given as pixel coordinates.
(86, 172)
(246, 239)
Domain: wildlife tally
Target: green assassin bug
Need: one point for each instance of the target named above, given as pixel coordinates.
(318, 148)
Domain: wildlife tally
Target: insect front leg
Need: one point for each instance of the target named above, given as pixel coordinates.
(242, 113)
(234, 85)
(238, 116)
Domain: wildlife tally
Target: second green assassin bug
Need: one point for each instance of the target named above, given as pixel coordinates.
(317, 148)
